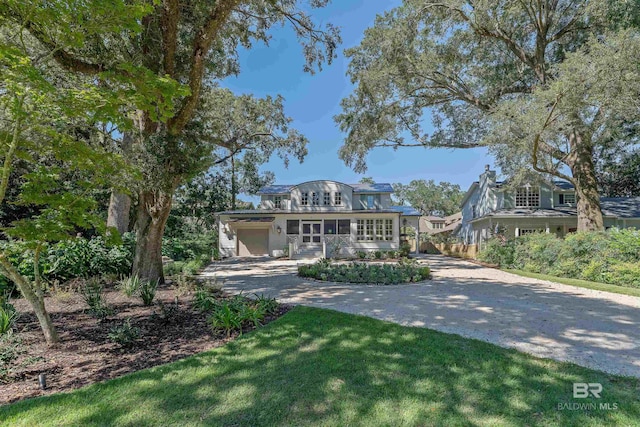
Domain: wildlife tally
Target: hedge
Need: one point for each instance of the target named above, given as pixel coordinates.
(611, 256)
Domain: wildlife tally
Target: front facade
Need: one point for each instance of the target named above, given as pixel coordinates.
(490, 207)
(316, 218)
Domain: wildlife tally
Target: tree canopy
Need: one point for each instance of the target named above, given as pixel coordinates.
(470, 64)
(429, 198)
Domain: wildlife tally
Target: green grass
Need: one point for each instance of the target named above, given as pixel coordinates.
(634, 292)
(319, 367)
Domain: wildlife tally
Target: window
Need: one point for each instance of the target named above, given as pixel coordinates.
(337, 198)
(330, 226)
(388, 229)
(527, 197)
(374, 229)
(315, 199)
(327, 199)
(569, 198)
(439, 225)
(293, 226)
(524, 231)
(473, 211)
(304, 199)
(344, 226)
(369, 201)
(277, 202)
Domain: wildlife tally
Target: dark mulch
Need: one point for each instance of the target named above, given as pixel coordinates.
(85, 354)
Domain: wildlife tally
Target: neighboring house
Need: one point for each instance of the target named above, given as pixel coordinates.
(438, 225)
(488, 206)
(316, 218)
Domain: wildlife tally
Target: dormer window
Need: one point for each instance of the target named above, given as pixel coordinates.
(527, 197)
(304, 199)
(327, 198)
(277, 202)
(315, 199)
(567, 199)
(337, 198)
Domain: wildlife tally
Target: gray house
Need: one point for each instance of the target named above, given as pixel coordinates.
(489, 205)
(316, 218)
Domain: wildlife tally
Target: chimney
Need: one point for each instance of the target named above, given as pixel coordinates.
(488, 177)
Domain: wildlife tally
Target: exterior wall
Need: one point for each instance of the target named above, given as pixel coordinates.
(267, 202)
(279, 241)
(321, 187)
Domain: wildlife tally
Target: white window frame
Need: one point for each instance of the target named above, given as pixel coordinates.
(337, 198)
(304, 199)
(326, 198)
(525, 231)
(438, 225)
(527, 197)
(568, 195)
(277, 202)
(388, 229)
(315, 199)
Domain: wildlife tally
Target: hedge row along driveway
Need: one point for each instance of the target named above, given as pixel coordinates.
(592, 328)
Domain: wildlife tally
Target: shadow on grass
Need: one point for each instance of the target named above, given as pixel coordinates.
(320, 367)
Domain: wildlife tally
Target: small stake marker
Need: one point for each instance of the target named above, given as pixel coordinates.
(42, 379)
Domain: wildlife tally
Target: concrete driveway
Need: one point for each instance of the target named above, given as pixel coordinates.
(596, 329)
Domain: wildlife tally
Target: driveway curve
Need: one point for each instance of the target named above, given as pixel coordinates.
(596, 329)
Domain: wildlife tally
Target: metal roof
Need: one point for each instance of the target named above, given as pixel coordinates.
(357, 188)
(309, 212)
(406, 210)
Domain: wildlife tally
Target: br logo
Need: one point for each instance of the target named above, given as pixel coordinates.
(582, 390)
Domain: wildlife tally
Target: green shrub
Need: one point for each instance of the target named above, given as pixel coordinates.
(406, 270)
(147, 291)
(190, 246)
(405, 250)
(124, 335)
(268, 305)
(8, 317)
(499, 252)
(361, 254)
(623, 274)
(129, 285)
(226, 318)
(93, 295)
(11, 348)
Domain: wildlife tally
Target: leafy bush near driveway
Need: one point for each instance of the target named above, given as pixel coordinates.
(404, 271)
(610, 257)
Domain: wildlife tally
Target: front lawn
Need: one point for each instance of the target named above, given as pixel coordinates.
(320, 367)
(634, 292)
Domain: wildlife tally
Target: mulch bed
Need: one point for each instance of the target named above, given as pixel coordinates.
(86, 355)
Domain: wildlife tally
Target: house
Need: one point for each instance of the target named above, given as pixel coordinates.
(490, 206)
(316, 218)
(433, 225)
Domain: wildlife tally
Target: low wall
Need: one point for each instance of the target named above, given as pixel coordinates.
(458, 249)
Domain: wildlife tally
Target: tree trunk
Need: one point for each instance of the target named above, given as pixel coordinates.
(586, 184)
(34, 296)
(152, 213)
(120, 203)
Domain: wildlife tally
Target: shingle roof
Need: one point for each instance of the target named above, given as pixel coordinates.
(623, 207)
(406, 210)
(264, 212)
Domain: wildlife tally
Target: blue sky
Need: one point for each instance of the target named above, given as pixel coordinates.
(312, 101)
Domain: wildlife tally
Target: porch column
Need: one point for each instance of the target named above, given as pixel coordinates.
(546, 225)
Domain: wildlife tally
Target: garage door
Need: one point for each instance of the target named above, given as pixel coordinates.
(253, 242)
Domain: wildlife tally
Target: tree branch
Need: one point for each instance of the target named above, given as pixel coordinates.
(169, 22)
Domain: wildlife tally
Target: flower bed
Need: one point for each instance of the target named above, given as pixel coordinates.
(405, 271)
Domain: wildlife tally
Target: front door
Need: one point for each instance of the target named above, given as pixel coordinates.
(311, 232)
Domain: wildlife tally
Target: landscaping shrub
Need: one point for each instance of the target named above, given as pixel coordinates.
(405, 250)
(11, 348)
(124, 335)
(611, 257)
(147, 291)
(93, 295)
(404, 271)
(129, 285)
(190, 246)
(8, 316)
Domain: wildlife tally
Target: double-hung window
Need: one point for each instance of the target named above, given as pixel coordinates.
(304, 199)
(327, 198)
(315, 199)
(337, 198)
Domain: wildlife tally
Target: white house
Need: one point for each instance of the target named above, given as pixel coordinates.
(490, 205)
(316, 218)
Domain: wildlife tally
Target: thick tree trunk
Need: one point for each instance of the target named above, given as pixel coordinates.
(120, 203)
(152, 213)
(34, 296)
(118, 215)
(586, 184)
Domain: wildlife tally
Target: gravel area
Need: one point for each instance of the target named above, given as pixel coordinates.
(596, 329)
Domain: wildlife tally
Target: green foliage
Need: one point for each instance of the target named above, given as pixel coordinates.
(239, 312)
(405, 271)
(129, 285)
(610, 257)
(124, 334)
(428, 197)
(8, 316)
(93, 295)
(405, 250)
(266, 304)
(147, 291)
(190, 246)
(11, 348)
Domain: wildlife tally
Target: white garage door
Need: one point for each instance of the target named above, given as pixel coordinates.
(252, 242)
